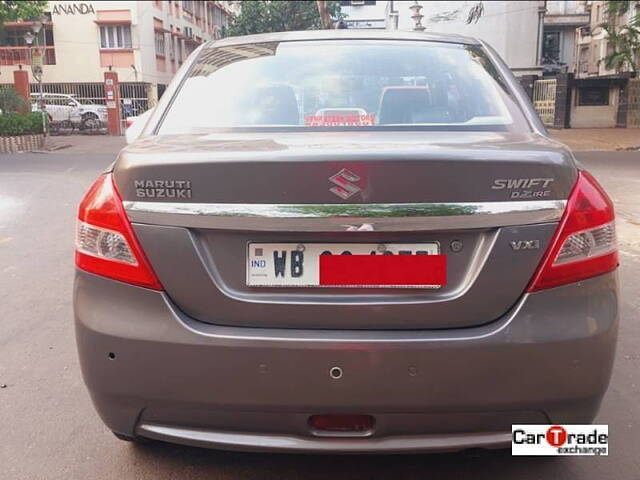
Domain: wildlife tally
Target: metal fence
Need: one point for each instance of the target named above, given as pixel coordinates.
(544, 99)
(134, 100)
(134, 96)
(633, 112)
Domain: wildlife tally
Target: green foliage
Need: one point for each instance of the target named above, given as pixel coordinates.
(13, 124)
(11, 101)
(623, 38)
(12, 10)
(263, 16)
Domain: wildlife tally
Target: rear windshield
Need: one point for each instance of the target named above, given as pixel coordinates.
(343, 85)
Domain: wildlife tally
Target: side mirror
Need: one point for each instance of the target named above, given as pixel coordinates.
(71, 104)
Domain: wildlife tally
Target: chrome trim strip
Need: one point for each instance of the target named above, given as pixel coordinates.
(346, 217)
(258, 441)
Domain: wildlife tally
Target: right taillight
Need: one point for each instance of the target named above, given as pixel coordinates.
(585, 243)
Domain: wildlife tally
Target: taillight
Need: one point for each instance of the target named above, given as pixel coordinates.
(105, 241)
(585, 243)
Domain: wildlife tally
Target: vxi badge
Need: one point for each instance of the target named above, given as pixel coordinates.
(560, 440)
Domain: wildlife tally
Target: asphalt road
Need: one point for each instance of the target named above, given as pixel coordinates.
(49, 430)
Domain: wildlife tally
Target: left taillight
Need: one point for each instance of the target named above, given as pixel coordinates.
(106, 244)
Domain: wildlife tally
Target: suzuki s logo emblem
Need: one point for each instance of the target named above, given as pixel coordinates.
(343, 186)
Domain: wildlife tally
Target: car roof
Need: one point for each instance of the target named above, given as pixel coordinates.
(344, 34)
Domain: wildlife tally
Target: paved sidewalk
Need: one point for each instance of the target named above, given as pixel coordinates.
(578, 139)
(584, 139)
(78, 144)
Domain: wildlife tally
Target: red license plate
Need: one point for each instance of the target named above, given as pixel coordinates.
(384, 270)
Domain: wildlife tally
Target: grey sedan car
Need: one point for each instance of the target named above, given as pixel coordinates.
(344, 241)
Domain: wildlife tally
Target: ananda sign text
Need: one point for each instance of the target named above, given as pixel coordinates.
(73, 9)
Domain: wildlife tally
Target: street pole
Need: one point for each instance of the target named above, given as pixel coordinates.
(37, 70)
(42, 109)
(38, 27)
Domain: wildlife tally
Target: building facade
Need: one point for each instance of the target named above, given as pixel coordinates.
(366, 13)
(602, 96)
(562, 40)
(514, 29)
(561, 20)
(592, 45)
(143, 41)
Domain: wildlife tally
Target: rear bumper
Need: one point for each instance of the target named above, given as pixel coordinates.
(176, 379)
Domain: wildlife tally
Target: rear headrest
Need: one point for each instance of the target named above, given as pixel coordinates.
(274, 105)
(401, 104)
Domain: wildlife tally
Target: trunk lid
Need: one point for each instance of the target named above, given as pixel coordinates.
(196, 202)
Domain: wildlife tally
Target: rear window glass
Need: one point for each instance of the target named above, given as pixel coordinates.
(338, 85)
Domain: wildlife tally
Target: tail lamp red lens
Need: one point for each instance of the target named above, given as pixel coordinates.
(106, 244)
(584, 244)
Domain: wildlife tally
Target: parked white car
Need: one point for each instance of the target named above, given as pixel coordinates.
(61, 108)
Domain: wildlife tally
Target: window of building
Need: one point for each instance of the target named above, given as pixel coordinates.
(15, 37)
(584, 60)
(159, 41)
(610, 48)
(551, 48)
(356, 3)
(172, 45)
(198, 10)
(115, 36)
(590, 96)
(219, 17)
(187, 6)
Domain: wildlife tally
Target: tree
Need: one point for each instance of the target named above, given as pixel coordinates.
(263, 16)
(623, 39)
(325, 15)
(11, 101)
(13, 10)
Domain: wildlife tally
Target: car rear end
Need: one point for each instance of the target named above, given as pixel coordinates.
(344, 260)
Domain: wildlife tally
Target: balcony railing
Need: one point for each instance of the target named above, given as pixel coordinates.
(22, 56)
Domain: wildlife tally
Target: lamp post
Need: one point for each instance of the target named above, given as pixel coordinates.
(36, 69)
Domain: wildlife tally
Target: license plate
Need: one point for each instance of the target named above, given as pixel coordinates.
(399, 265)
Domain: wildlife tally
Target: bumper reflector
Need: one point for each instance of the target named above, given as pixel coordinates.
(342, 423)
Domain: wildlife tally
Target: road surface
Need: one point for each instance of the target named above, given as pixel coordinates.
(49, 430)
